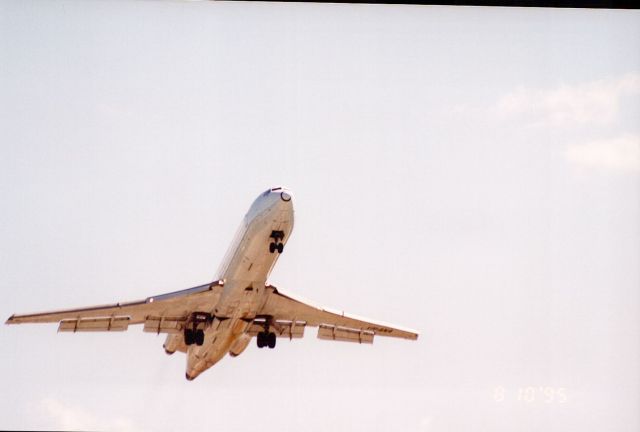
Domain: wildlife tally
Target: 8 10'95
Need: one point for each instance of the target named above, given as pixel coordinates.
(532, 394)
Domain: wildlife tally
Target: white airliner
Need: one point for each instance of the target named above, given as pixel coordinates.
(208, 321)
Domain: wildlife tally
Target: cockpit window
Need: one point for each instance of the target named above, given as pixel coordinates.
(276, 189)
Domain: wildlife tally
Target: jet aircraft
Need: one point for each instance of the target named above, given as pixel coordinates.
(208, 321)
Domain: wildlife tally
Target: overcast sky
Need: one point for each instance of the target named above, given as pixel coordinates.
(473, 173)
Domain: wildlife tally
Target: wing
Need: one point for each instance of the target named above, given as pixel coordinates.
(283, 308)
(163, 313)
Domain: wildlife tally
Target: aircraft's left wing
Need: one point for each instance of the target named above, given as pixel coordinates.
(165, 311)
(332, 325)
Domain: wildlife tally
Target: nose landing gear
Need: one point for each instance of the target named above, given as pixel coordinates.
(276, 245)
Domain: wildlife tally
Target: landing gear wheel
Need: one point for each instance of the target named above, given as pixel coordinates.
(261, 339)
(276, 245)
(189, 337)
(199, 337)
(271, 340)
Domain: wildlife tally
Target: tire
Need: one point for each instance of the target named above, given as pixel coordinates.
(199, 339)
(280, 247)
(188, 337)
(260, 340)
(272, 247)
(271, 340)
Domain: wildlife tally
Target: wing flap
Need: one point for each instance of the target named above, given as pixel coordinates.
(116, 323)
(282, 328)
(329, 332)
(164, 324)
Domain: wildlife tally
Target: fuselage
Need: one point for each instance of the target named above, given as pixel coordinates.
(244, 271)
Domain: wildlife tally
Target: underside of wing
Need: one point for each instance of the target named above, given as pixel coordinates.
(332, 325)
(162, 313)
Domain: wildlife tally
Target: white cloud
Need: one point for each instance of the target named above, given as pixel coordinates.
(71, 418)
(425, 423)
(617, 154)
(595, 102)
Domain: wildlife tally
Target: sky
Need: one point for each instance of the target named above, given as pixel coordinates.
(473, 173)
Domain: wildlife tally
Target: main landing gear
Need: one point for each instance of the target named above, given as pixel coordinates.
(193, 337)
(193, 334)
(266, 339)
(276, 245)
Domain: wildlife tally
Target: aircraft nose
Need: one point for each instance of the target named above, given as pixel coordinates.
(285, 194)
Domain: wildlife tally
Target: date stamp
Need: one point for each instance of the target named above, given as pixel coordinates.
(531, 394)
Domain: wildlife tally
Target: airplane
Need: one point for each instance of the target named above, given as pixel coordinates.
(208, 321)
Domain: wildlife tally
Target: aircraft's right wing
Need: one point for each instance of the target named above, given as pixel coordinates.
(333, 325)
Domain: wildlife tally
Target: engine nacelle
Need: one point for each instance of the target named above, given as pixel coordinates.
(239, 345)
(172, 343)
